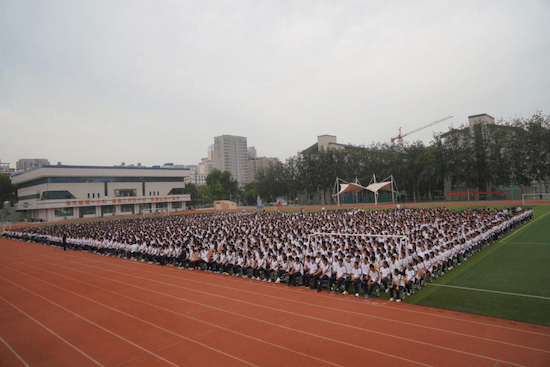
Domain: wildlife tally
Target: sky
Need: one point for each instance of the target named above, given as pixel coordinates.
(104, 82)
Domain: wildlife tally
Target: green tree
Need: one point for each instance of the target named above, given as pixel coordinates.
(8, 192)
(192, 190)
(220, 186)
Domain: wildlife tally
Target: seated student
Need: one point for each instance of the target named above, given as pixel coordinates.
(397, 285)
(296, 270)
(348, 263)
(355, 277)
(312, 270)
(194, 258)
(323, 273)
(410, 279)
(259, 267)
(249, 264)
(339, 274)
(239, 263)
(273, 268)
(385, 274)
(371, 280)
(283, 269)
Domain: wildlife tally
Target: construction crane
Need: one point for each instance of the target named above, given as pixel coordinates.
(400, 137)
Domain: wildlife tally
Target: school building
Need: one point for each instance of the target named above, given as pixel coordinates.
(59, 192)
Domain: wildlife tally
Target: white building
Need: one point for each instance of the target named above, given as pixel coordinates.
(60, 192)
(231, 154)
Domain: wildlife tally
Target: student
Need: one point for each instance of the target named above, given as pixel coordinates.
(410, 278)
(372, 280)
(295, 271)
(324, 273)
(355, 277)
(312, 270)
(385, 274)
(273, 267)
(339, 275)
(283, 269)
(397, 285)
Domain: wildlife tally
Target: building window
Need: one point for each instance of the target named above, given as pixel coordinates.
(87, 210)
(52, 195)
(177, 191)
(125, 192)
(63, 212)
(127, 208)
(29, 197)
(93, 195)
(107, 209)
(88, 195)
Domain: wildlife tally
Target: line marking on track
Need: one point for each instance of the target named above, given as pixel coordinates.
(14, 352)
(292, 313)
(489, 291)
(168, 346)
(165, 309)
(50, 330)
(373, 304)
(104, 329)
(128, 361)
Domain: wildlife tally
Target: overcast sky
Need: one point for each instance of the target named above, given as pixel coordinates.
(104, 82)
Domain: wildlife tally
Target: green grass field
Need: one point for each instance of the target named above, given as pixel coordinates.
(518, 264)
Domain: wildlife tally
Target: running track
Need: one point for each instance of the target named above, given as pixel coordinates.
(81, 309)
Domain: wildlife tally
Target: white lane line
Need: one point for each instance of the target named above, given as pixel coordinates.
(202, 275)
(221, 310)
(295, 314)
(362, 314)
(13, 351)
(50, 330)
(168, 310)
(109, 331)
(489, 291)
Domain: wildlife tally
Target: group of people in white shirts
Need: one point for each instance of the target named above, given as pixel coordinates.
(279, 246)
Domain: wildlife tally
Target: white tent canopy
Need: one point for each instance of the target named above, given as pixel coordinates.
(386, 186)
(351, 187)
(342, 187)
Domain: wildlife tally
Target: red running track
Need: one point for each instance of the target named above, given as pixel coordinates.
(77, 309)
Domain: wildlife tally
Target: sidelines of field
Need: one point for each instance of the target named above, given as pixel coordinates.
(489, 291)
(465, 266)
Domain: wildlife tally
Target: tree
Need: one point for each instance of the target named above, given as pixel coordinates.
(220, 186)
(192, 190)
(8, 192)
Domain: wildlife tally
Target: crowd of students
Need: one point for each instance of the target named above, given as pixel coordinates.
(279, 246)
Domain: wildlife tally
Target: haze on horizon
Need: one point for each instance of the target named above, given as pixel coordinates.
(104, 82)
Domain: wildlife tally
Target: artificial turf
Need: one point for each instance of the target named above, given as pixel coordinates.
(519, 263)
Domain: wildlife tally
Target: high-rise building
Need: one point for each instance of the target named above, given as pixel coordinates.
(231, 154)
(29, 163)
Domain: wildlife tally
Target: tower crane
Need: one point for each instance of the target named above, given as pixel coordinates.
(400, 137)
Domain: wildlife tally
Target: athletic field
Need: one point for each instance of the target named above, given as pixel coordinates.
(74, 309)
